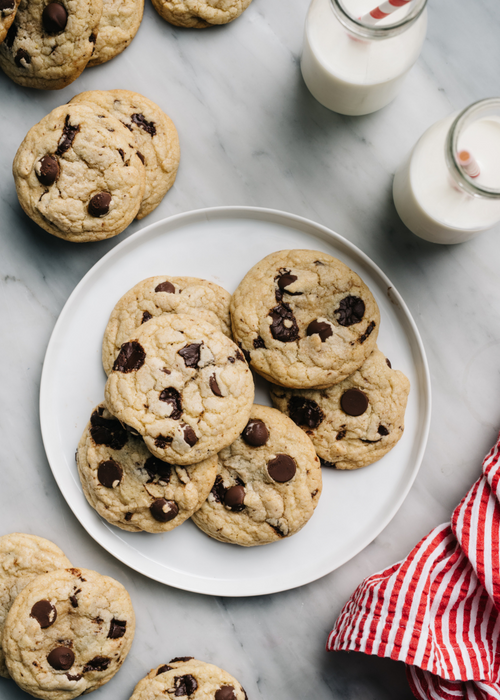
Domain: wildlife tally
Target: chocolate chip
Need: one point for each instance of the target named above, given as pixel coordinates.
(324, 463)
(282, 468)
(354, 402)
(388, 363)
(232, 360)
(157, 468)
(11, 36)
(182, 659)
(226, 692)
(107, 432)
(242, 355)
(234, 497)
(214, 386)
(185, 685)
(190, 354)
(322, 328)
(22, 55)
(44, 613)
(117, 629)
(47, 170)
(146, 316)
(74, 601)
(368, 331)
(130, 358)
(190, 436)
(67, 137)
(382, 430)
(141, 121)
(162, 441)
(98, 663)
(283, 325)
(93, 38)
(163, 510)
(258, 343)
(277, 529)
(350, 311)
(255, 433)
(122, 153)
(172, 397)
(141, 157)
(54, 18)
(166, 286)
(341, 435)
(73, 678)
(99, 204)
(7, 5)
(61, 658)
(218, 490)
(305, 412)
(163, 669)
(109, 473)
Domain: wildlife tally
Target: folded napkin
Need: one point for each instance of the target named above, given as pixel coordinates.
(438, 609)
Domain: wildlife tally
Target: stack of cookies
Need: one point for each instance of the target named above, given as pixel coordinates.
(48, 44)
(90, 167)
(63, 631)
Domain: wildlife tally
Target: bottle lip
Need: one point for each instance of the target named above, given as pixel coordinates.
(490, 106)
(360, 29)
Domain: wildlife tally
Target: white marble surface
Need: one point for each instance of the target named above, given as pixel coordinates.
(251, 134)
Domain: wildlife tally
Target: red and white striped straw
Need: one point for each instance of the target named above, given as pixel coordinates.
(468, 164)
(382, 11)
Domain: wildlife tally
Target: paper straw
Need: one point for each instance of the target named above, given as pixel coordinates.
(382, 11)
(468, 163)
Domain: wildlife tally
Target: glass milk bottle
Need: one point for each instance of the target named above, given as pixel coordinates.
(356, 56)
(448, 189)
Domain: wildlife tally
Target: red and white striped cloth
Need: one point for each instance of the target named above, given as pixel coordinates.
(438, 609)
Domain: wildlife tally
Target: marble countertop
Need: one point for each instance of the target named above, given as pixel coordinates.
(251, 134)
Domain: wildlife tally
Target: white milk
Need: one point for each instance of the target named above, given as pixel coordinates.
(429, 200)
(351, 75)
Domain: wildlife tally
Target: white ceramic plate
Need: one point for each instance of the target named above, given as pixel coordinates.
(221, 245)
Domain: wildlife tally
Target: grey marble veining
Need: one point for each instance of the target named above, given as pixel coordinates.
(252, 134)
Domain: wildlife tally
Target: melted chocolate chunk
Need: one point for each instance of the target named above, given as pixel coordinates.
(167, 287)
(368, 331)
(162, 441)
(354, 402)
(258, 343)
(214, 386)
(322, 328)
(226, 692)
(182, 659)
(341, 435)
(61, 658)
(382, 430)
(48, 170)
(146, 316)
(190, 436)
(243, 356)
(44, 613)
(74, 678)
(282, 468)
(99, 204)
(218, 490)
(191, 354)
(7, 5)
(117, 629)
(20, 56)
(109, 473)
(163, 511)
(122, 153)
(283, 325)
(128, 516)
(130, 358)
(350, 311)
(54, 18)
(156, 468)
(140, 120)
(284, 279)
(255, 433)
(163, 669)
(277, 529)
(67, 138)
(98, 663)
(388, 363)
(74, 601)
(305, 412)
(141, 157)
(234, 497)
(185, 685)
(173, 398)
(109, 432)
(93, 38)
(11, 36)
(324, 463)
(232, 360)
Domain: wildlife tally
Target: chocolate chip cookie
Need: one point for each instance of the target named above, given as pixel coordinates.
(8, 9)
(131, 488)
(50, 43)
(267, 486)
(155, 136)
(304, 319)
(67, 633)
(200, 14)
(356, 422)
(118, 25)
(78, 175)
(183, 385)
(185, 676)
(164, 295)
(22, 559)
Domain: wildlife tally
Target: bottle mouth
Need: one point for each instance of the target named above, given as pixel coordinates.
(370, 31)
(477, 110)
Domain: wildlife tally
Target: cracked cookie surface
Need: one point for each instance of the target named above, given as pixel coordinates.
(164, 295)
(183, 385)
(356, 422)
(8, 9)
(131, 488)
(155, 135)
(200, 14)
(23, 558)
(78, 175)
(189, 677)
(67, 633)
(119, 23)
(304, 319)
(267, 486)
(49, 43)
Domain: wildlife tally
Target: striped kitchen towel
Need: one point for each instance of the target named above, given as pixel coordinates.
(438, 609)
